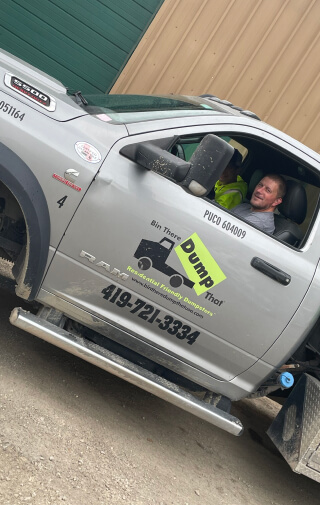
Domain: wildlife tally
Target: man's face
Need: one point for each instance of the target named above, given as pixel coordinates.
(265, 196)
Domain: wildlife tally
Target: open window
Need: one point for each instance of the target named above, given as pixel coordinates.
(294, 217)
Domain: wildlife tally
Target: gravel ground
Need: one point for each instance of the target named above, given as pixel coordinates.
(72, 433)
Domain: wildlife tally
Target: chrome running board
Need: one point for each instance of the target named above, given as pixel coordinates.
(112, 363)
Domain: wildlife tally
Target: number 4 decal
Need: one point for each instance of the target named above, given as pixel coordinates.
(61, 202)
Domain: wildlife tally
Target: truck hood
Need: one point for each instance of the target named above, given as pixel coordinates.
(36, 89)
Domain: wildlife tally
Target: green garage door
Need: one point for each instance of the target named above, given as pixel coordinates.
(82, 43)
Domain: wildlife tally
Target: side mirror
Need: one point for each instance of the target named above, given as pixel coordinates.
(199, 175)
(207, 164)
(156, 158)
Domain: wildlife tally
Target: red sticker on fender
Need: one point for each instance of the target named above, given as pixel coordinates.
(65, 181)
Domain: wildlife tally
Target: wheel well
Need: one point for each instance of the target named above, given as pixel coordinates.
(24, 222)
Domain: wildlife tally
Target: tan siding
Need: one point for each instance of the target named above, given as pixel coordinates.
(260, 54)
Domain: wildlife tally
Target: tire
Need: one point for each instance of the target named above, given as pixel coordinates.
(144, 263)
(176, 281)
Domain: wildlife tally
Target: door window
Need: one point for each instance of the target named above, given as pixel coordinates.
(294, 217)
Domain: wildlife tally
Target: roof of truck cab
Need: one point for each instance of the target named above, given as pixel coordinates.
(128, 109)
(180, 111)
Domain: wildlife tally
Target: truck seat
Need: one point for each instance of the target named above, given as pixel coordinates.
(292, 212)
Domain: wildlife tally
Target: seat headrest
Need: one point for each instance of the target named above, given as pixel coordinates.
(294, 203)
(256, 177)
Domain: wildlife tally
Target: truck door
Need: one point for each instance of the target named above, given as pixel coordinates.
(175, 271)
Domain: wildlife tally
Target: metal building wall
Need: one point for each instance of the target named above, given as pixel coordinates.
(82, 43)
(260, 54)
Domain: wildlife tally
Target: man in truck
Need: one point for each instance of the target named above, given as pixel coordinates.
(267, 195)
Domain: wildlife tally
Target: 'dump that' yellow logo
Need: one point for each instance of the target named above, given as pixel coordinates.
(199, 265)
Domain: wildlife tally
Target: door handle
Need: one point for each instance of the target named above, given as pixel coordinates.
(271, 271)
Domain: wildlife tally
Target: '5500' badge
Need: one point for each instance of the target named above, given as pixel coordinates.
(30, 92)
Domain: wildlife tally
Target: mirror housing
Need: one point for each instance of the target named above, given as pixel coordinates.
(207, 164)
(198, 176)
(156, 158)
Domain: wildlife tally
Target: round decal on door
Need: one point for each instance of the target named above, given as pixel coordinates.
(87, 152)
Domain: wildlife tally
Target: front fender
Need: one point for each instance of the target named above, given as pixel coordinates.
(24, 186)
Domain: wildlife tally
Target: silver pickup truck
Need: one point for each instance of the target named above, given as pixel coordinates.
(130, 265)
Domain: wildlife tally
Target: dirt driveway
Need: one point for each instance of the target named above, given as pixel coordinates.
(71, 433)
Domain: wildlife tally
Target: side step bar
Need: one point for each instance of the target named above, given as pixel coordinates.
(124, 369)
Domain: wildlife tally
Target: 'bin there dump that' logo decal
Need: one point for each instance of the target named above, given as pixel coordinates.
(199, 265)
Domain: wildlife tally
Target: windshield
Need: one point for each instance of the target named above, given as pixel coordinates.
(135, 108)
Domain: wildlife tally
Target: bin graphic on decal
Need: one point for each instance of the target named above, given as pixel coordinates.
(154, 254)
